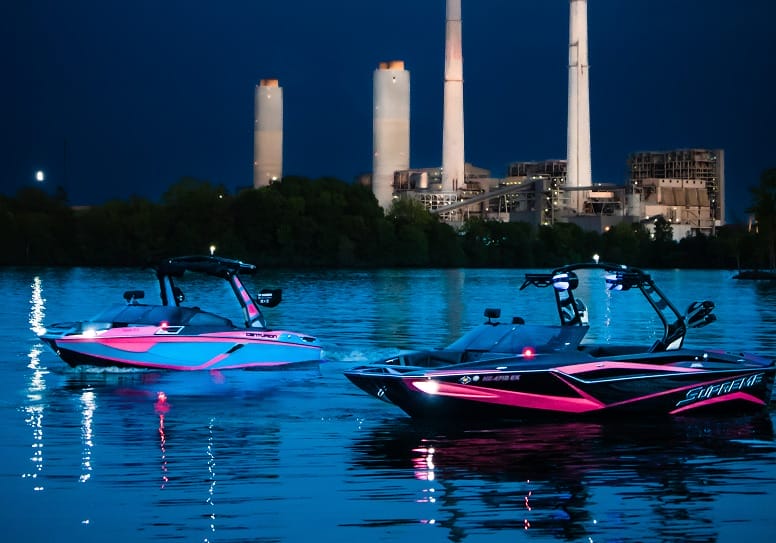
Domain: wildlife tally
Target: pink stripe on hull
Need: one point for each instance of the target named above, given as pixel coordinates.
(606, 365)
(141, 345)
(512, 398)
(631, 400)
(205, 366)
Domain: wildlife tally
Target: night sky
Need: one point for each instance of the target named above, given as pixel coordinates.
(113, 99)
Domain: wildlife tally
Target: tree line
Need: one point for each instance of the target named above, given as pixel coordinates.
(300, 222)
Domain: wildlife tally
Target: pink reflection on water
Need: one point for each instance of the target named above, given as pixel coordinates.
(161, 407)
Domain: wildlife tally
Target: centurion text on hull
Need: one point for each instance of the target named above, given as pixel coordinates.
(174, 337)
(522, 371)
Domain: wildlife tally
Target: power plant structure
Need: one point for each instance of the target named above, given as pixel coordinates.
(453, 162)
(456, 187)
(267, 133)
(390, 128)
(686, 187)
(391, 174)
(578, 169)
(683, 186)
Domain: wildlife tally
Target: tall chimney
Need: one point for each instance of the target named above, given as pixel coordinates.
(390, 128)
(578, 169)
(268, 133)
(452, 133)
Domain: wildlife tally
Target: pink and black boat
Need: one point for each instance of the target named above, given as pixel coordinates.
(519, 370)
(172, 336)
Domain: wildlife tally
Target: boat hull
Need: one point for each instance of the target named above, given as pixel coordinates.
(208, 351)
(578, 390)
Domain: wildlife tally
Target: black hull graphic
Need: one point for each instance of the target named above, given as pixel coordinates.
(553, 394)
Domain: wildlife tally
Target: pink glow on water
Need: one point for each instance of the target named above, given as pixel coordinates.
(161, 405)
(217, 377)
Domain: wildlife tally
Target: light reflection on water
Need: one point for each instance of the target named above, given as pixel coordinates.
(292, 456)
(569, 481)
(88, 405)
(162, 408)
(34, 406)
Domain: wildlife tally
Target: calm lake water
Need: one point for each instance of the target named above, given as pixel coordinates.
(305, 456)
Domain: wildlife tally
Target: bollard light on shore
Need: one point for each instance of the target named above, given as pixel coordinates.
(596, 258)
(212, 249)
(40, 176)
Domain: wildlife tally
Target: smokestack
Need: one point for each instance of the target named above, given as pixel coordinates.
(578, 168)
(268, 133)
(452, 133)
(390, 128)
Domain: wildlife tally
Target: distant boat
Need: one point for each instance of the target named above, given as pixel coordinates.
(758, 275)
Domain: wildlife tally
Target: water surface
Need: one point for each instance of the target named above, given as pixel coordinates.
(305, 456)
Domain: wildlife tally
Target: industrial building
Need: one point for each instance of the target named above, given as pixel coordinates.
(684, 186)
(425, 185)
(532, 192)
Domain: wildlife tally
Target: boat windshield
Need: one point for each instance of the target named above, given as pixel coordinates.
(504, 338)
(154, 315)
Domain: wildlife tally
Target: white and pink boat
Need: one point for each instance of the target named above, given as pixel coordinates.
(171, 336)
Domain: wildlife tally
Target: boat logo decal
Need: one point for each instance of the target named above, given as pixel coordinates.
(487, 378)
(720, 389)
(465, 380)
(262, 335)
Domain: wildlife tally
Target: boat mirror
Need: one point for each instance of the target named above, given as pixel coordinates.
(700, 314)
(270, 297)
(132, 296)
(565, 281)
(615, 281)
(493, 312)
